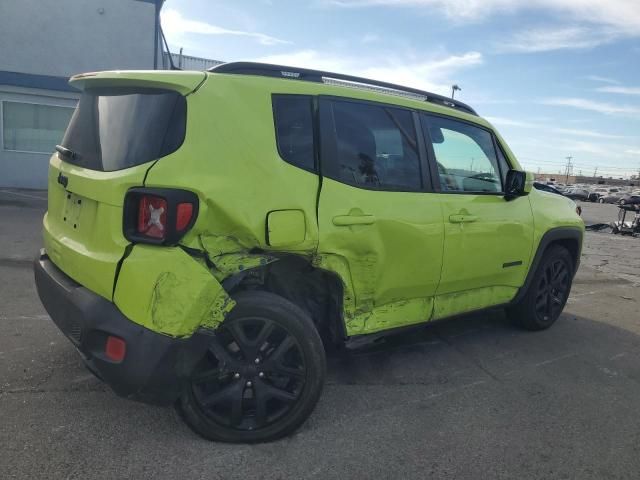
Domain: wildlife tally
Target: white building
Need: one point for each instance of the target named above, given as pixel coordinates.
(43, 43)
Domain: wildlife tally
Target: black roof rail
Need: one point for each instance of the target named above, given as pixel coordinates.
(295, 73)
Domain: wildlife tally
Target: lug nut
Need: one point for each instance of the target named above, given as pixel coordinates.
(249, 384)
(236, 375)
(257, 360)
(261, 374)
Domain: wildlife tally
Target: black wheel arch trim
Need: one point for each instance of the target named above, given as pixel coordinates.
(574, 234)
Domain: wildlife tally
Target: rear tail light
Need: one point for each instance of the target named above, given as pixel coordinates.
(158, 216)
(152, 216)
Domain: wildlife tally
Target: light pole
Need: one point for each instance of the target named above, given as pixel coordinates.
(454, 88)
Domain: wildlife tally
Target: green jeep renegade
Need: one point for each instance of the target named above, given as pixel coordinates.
(208, 232)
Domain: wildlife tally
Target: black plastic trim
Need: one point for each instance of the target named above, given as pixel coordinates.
(512, 264)
(156, 367)
(553, 235)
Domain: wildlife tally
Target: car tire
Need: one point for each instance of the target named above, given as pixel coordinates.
(548, 292)
(601, 200)
(232, 398)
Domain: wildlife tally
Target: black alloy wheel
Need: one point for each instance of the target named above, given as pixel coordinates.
(547, 293)
(261, 376)
(252, 376)
(553, 290)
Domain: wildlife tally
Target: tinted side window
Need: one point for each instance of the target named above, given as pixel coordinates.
(466, 157)
(375, 147)
(293, 116)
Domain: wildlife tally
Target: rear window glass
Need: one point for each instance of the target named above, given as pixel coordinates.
(294, 129)
(112, 129)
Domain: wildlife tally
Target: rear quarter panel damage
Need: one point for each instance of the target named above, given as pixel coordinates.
(170, 292)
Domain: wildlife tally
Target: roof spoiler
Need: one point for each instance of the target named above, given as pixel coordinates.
(183, 82)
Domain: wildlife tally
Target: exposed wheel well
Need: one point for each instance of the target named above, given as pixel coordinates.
(572, 245)
(318, 292)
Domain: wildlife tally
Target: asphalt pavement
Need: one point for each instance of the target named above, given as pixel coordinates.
(469, 398)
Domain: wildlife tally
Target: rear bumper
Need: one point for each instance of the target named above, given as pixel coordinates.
(155, 368)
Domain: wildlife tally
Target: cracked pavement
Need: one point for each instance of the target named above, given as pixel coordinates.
(469, 398)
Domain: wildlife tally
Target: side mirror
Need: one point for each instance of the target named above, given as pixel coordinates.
(515, 186)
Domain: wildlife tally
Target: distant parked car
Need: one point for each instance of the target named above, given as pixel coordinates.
(577, 194)
(601, 192)
(611, 198)
(631, 199)
(547, 188)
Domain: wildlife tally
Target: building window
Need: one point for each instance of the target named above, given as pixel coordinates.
(31, 127)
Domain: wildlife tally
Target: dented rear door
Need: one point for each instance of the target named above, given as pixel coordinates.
(378, 225)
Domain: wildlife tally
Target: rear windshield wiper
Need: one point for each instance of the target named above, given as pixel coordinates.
(65, 152)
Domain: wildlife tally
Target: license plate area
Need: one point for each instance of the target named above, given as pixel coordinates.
(71, 214)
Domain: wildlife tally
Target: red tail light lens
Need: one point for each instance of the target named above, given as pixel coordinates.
(115, 348)
(184, 215)
(152, 216)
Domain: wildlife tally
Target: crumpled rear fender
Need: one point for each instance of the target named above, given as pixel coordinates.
(168, 291)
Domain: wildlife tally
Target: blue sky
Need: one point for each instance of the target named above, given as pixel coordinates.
(557, 77)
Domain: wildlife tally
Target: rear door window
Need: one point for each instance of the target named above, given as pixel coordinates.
(371, 146)
(293, 117)
(115, 128)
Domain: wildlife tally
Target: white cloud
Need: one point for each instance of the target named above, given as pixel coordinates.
(620, 89)
(585, 104)
(433, 74)
(370, 38)
(586, 133)
(624, 15)
(175, 25)
(632, 152)
(577, 23)
(508, 122)
(554, 38)
(597, 78)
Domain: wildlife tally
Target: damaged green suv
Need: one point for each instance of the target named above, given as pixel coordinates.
(209, 234)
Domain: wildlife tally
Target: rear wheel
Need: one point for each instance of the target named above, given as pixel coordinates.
(262, 375)
(601, 200)
(548, 292)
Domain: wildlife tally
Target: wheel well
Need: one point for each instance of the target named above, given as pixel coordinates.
(572, 245)
(318, 292)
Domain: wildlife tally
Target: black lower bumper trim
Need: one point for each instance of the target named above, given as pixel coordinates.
(155, 368)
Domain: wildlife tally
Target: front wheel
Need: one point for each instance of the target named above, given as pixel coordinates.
(548, 292)
(262, 375)
(601, 200)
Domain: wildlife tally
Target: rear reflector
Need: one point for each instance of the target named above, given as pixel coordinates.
(115, 349)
